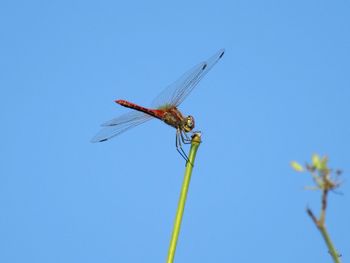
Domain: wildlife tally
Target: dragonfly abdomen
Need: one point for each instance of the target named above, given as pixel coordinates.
(155, 113)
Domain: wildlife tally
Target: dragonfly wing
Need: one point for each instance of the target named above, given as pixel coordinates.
(119, 125)
(176, 92)
(132, 116)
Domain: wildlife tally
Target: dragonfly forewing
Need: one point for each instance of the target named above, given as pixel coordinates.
(175, 93)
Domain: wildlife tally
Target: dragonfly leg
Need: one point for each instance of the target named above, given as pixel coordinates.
(179, 145)
(185, 138)
(179, 138)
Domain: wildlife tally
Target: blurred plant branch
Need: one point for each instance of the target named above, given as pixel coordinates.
(325, 180)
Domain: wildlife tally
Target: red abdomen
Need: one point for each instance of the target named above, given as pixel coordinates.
(155, 113)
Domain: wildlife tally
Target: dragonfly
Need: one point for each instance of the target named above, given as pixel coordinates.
(164, 107)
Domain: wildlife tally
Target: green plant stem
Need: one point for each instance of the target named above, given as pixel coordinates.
(196, 140)
(320, 224)
(329, 243)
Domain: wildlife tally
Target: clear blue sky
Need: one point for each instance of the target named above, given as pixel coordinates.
(281, 92)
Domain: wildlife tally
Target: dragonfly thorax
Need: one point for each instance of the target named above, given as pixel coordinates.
(174, 118)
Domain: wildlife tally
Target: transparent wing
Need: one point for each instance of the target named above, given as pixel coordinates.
(176, 92)
(132, 116)
(119, 125)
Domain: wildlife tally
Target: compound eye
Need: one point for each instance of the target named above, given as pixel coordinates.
(189, 123)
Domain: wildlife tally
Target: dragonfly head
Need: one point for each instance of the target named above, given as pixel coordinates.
(189, 124)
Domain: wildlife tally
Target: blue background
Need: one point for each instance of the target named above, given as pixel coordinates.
(280, 93)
